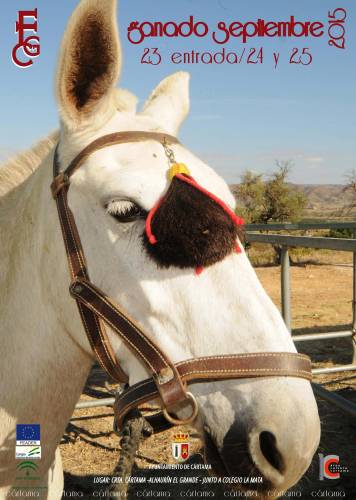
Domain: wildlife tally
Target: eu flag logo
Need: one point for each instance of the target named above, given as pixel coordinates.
(28, 432)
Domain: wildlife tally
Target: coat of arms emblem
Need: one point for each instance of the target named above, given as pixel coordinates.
(180, 446)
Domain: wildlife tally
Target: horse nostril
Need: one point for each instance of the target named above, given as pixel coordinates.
(270, 451)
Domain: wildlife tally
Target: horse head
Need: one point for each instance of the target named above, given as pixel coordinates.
(267, 426)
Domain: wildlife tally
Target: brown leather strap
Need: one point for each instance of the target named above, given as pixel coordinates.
(164, 372)
(101, 345)
(95, 300)
(94, 329)
(224, 367)
(246, 365)
(61, 179)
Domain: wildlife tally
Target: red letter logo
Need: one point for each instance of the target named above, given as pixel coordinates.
(329, 467)
(30, 45)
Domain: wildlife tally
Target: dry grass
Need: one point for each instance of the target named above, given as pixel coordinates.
(321, 294)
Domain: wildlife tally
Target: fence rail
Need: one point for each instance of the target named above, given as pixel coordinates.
(336, 244)
(287, 241)
(300, 226)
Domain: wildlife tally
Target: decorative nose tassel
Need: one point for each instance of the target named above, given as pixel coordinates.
(182, 172)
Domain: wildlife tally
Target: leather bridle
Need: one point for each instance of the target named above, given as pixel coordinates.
(168, 380)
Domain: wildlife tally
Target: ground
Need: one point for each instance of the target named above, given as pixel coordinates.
(321, 298)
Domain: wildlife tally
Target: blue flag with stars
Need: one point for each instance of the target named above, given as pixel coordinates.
(28, 432)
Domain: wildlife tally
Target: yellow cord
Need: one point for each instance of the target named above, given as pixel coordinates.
(178, 168)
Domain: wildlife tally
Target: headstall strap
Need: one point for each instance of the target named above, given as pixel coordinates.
(168, 381)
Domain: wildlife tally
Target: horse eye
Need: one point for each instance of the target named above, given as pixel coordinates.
(126, 211)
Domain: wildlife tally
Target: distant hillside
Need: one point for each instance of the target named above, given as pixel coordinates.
(324, 200)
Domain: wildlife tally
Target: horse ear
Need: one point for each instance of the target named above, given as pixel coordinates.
(89, 62)
(169, 102)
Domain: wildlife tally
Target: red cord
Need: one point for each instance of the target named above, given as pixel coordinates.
(189, 180)
(151, 237)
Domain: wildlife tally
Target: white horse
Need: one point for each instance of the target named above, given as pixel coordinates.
(270, 425)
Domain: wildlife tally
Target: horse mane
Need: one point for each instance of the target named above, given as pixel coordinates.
(16, 170)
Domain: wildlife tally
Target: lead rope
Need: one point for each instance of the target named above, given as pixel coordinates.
(135, 429)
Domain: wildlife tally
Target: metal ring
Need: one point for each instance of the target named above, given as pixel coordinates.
(195, 410)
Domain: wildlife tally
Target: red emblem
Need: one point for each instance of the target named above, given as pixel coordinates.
(30, 45)
(184, 451)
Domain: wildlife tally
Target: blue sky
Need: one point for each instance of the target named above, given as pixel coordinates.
(242, 116)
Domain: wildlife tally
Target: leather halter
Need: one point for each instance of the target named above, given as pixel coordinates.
(168, 380)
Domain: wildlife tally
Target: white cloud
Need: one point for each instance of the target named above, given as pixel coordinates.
(316, 160)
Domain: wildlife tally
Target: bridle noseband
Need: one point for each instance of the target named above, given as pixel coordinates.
(168, 380)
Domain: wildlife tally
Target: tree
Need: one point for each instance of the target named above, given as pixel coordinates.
(350, 188)
(250, 193)
(263, 201)
(270, 200)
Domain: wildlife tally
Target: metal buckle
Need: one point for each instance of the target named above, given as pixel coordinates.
(184, 421)
(165, 375)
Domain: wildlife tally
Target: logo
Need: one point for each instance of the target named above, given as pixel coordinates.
(28, 468)
(180, 446)
(28, 444)
(28, 452)
(28, 47)
(329, 467)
